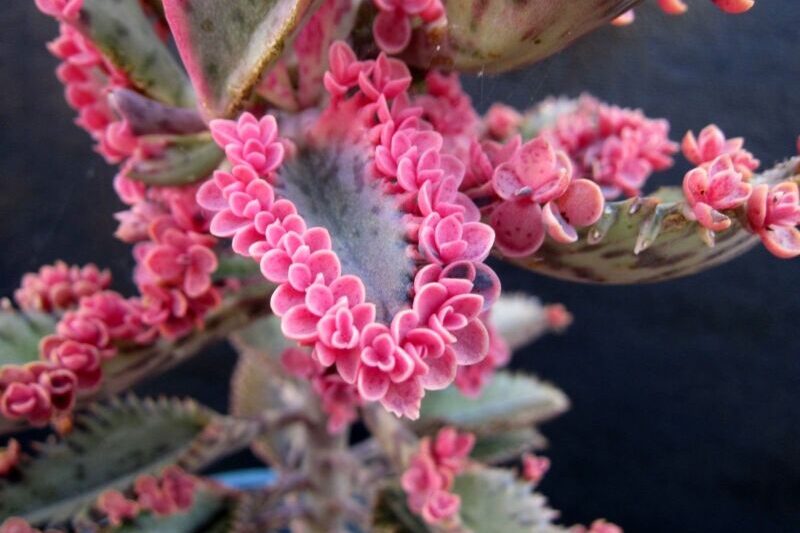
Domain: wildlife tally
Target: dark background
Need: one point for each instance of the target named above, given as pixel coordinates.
(686, 395)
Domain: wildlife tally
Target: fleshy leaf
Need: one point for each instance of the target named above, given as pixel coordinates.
(508, 401)
(531, 31)
(210, 513)
(182, 160)
(330, 190)
(642, 240)
(20, 333)
(258, 386)
(493, 499)
(519, 319)
(390, 514)
(502, 446)
(109, 448)
(149, 117)
(226, 46)
(127, 38)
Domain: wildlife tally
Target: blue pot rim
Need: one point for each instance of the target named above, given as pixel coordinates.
(248, 478)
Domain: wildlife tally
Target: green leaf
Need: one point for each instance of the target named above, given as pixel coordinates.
(644, 240)
(493, 499)
(109, 448)
(509, 401)
(183, 160)
(226, 46)
(390, 514)
(259, 387)
(502, 446)
(497, 35)
(211, 512)
(330, 190)
(127, 38)
(20, 333)
(519, 319)
(235, 266)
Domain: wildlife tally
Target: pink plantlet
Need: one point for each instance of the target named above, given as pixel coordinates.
(9, 457)
(36, 391)
(59, 287)
(250, 142)
(711, 143)
(67, 10)
(709, 191)
(626, 19)
(534, 468)
(116, 507)
(673, 7)
(774, 214)
(429, 477)
(392, 26)
(502, 121)
(601, 526)
(580, 206)
(181, 258)
(558, 317)
(537, 172)
(734, 7)
(471, 379)
(17, 525)
(83, 360)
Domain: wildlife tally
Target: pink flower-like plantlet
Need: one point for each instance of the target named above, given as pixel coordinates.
(534, 468)
(774, 214)
(711, 190)
(9, 457)
(250, 141)
(711, 143)
(116, 507)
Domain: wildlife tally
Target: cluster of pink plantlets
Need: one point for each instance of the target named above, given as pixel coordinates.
(88, 77)
(419, 348)
(175, 260)
(617, 148)
(59, 287)
(170, 493)
(720, 182)
(431, 472)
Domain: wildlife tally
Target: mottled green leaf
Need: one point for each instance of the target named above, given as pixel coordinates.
(508, 401)
(493, 499)
(643, 240)
(210, 513)
(109, 448)
(126, 36)
(226, 46)
(390, 514)
(259, 387)
(20, 333)
(502, 446)
(183, 160)
(498, 35)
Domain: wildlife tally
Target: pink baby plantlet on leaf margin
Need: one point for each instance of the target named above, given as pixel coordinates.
(320, 193)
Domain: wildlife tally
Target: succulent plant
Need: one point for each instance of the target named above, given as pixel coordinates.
(317, 188)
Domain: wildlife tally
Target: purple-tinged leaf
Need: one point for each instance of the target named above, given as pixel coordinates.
(149, 117)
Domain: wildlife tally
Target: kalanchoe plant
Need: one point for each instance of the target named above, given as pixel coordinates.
(318, 189)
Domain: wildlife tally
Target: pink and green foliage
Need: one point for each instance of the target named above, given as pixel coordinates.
(324, 194)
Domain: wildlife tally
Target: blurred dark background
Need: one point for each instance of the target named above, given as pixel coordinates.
(686, 395)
